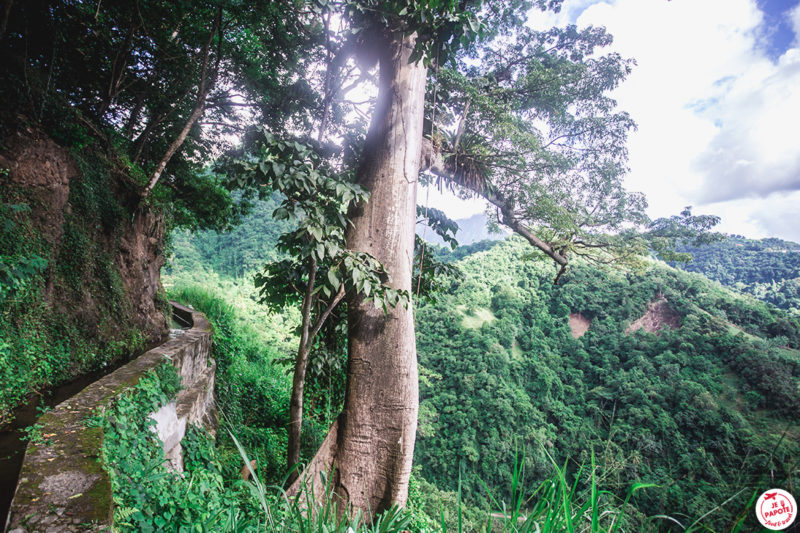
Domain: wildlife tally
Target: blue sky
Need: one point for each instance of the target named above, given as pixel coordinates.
(778, 32)
(716, 95)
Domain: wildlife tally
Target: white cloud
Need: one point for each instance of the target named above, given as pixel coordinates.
(719, 122)
(774, 215)
(755, 150)
(717, 119)
(794, 17)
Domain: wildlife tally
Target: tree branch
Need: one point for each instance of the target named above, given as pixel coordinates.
(206, 83)
(325, 314)
(432, 161)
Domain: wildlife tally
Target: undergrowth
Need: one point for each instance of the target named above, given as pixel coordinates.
(251, 391)
(63, 307)
(211, 495)
(147, 496)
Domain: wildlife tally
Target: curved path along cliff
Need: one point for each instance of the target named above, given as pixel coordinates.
(62, 485)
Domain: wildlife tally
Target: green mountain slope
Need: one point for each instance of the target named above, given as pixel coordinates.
(706, 410)
(769, 269)
(235, 253)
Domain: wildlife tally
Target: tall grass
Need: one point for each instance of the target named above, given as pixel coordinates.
(554, 506)
(305, 514)
(251, 389)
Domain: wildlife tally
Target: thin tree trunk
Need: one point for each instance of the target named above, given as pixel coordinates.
(173, 147)
(7, 5)
(207, 81)
(133, 119)
(307, 334)
(298, 381)
(371, 445)
(117, 70)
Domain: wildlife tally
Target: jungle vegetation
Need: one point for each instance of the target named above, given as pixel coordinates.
(768, 269)
(697, 410)
(196, 109)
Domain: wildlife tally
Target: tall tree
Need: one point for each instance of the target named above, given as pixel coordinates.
(531, 129)
(319, 270)
(369, 449)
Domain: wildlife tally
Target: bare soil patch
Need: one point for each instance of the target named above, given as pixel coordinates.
(579, 325)
(660, 315)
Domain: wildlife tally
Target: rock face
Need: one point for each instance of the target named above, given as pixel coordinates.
(139, 259)
(660, 315)
(62, 485)
(91, 209)
(44, 170)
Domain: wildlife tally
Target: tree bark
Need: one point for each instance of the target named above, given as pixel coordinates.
(371, 446)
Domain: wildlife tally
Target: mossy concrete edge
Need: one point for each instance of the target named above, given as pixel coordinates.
(62, 484)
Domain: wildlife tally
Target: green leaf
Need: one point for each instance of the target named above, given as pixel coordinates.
(474, 24)
(333, 279)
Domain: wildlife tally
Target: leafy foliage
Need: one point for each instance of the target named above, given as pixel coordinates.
(316, 204)
(132, 77)
(236, 347)
(237, 253)
(16, 267)
(666, 233)
(147, 496)
(532, 129)
(675, 409)
(44, 341)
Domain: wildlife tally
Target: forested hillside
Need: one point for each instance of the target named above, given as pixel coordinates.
(237, 253)
(696, 410)
(769, 269)
(367, 381)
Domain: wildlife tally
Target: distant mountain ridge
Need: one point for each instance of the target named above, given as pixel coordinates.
(768, 269)
(470, 230)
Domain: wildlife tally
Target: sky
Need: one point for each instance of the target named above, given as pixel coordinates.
(716, 96)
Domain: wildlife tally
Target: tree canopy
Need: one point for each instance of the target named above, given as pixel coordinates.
(140, 75)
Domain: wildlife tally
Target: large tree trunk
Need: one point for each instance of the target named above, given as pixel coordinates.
(371, 446)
